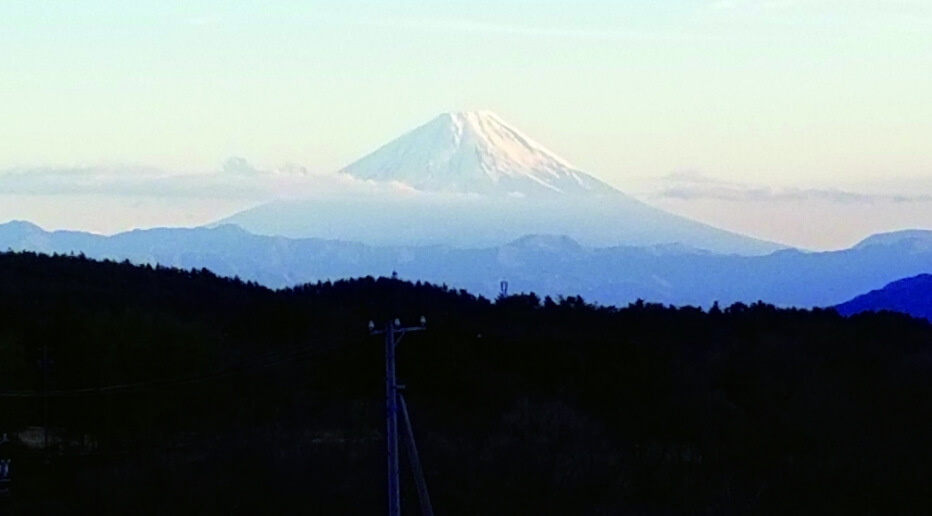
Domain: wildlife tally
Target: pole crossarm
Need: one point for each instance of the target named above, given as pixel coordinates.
(402, 331)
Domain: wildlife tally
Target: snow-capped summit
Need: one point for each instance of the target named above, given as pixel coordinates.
(474, 152)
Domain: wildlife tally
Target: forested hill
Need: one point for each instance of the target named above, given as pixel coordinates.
(911, 296)
(176, 391)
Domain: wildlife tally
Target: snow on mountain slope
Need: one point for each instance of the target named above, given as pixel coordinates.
(474, 152)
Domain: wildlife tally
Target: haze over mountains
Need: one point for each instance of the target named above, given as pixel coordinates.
(470, 179)
(547, 265)
(468, 200)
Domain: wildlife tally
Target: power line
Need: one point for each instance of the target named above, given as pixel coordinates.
(243, 365)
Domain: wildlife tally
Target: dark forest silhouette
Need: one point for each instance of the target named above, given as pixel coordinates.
(175, 391)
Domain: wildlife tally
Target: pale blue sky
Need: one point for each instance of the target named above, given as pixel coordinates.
(777, 90)
(816, 93)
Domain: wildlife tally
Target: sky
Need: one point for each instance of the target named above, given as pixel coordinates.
(813, 110)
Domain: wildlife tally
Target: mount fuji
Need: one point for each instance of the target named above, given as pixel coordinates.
(470, 179)
(474, 152)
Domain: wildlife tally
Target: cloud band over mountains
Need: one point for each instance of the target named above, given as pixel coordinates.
(240, 180)
(690, 186)
(236, 179)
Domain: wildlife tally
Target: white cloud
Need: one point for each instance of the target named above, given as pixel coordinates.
(810, 218)
(693, 185)
(205, 20)
(110, 199)
(235, 180)
(446, 26)
(911, 8)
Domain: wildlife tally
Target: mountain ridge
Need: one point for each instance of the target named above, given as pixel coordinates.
(547, 264)
(913, 236)
(912, 296)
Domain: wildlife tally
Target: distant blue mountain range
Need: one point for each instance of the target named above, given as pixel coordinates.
(547, 265)
(911, 296)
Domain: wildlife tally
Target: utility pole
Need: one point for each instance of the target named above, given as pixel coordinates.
(5, 475)
(44, 364)
(394, 332)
